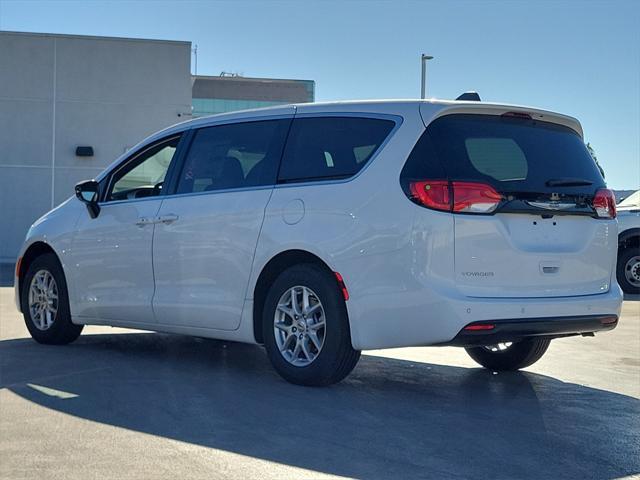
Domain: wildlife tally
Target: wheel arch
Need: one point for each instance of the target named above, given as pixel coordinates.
(629, 238)
(35, 250)
(274, 267)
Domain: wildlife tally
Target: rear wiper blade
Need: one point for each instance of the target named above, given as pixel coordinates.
(568, 182)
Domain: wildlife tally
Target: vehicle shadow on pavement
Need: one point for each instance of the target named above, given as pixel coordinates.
(389, 419)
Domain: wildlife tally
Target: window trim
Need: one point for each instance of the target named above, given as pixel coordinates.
(136, 155)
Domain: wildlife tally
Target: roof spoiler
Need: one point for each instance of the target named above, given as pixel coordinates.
(470, 96)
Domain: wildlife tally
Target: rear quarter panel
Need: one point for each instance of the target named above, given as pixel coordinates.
(361, 228)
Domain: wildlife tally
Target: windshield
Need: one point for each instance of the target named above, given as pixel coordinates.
(632, 200)
(514, 155)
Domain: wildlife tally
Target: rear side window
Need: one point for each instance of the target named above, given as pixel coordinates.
(511, 154)
(237, 155)
(331, 147)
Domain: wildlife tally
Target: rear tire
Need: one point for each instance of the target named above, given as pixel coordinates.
(45, 303)
(628, 270)
(326, 358)
(516, 356)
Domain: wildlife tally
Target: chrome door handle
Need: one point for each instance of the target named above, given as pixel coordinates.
(142, 221)
(167, 219)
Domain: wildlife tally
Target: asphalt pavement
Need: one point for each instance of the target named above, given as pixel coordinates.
(135, 405)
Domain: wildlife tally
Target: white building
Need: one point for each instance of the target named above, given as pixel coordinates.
(59, 92)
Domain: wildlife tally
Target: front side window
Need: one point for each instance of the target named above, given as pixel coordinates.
(143, 176)
(331, 147)
(236, 155)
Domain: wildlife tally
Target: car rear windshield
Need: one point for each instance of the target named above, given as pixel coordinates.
(511, 154)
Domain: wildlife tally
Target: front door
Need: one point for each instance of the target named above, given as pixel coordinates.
(111, 254)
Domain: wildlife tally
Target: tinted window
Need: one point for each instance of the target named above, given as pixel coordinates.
(500, 158)
(331, 147)
(143, 175)
(514, 155)
(237, 155)
(422, 164)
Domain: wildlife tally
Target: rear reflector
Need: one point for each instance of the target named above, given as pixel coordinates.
(479, 326)
(604, 203)
(461, 197)
(608, 320)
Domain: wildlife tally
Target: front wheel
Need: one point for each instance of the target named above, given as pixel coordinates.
(510, 355)
(45, 303)
(306, 328)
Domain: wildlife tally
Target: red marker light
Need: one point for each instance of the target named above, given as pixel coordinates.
(343, 287)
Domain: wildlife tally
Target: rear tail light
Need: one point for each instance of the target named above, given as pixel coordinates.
(432, 194)
(604, 203)
(462, 197)
(470, 197)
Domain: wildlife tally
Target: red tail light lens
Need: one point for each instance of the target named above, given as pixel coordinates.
(604, 203)
(468, 197)
(432, 194)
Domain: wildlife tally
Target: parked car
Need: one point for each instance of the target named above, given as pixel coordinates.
(628, 271)
(321, 230)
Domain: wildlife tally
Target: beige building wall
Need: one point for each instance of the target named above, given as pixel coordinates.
(58, 92)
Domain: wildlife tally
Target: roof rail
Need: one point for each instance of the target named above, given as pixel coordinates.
(471, 96)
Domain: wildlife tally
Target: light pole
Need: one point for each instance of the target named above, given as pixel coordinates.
(423, 91)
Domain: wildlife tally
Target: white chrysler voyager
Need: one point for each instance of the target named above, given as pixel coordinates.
(320, 230)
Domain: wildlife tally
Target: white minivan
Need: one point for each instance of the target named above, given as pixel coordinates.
(320, 230)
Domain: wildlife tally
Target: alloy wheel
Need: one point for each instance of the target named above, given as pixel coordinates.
(43, 299)
(299, 326)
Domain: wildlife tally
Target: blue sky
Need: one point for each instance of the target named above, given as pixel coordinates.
(579, 58)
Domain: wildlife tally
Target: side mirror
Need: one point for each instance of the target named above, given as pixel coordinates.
(87, 192)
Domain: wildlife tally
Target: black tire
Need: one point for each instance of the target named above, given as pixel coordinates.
(62, 330)
(518, 355)
(625, 262)
(337, 358)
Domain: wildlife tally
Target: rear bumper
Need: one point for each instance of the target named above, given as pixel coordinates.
(507, 330)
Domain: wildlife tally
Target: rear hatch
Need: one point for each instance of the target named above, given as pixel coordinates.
(532, 217)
